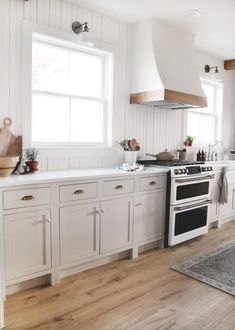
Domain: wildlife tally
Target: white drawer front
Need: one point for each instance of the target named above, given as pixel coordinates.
(78, 191)
(26, 197)
(118, 187)
(152, 183)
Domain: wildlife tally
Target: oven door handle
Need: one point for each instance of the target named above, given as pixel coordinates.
(182, 208)
(208, 177)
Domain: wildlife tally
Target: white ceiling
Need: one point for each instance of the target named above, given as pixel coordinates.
(214, 27)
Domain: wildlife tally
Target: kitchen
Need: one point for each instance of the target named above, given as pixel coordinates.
(88, 263)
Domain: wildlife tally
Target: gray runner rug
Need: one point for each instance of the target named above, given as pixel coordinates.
(216, 268)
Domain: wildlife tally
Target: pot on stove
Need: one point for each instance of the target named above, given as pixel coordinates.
(164, 155)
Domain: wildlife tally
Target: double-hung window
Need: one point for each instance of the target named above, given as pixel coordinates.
(205, 124)
(71, 94)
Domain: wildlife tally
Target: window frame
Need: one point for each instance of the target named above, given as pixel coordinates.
(217, 113)
(65, 40)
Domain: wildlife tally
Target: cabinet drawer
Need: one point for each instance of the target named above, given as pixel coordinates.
(152, 183)
(26, 197)
(118, 187)
(78, 191)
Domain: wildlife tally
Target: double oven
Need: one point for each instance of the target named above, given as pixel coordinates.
(187, 213)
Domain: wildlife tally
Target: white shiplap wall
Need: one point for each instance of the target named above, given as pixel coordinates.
(156, 129)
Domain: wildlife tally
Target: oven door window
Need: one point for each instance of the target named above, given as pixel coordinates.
(190, 220)
(192, 190)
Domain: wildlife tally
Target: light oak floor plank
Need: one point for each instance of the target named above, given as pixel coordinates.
(139, 294)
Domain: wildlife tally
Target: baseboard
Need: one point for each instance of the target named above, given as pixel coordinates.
(27, 284)
(94, 264)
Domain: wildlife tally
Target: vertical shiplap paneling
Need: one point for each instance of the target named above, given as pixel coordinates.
(154, 128)
(43, 12)
(55, 7)
(5, 57)
(30, 12)
(15, 73)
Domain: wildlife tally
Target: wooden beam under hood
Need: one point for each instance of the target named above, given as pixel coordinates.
(229, 64)
(168, 95)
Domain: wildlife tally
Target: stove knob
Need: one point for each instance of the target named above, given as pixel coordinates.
(179, 171)
(176, 171)
(211, 168)
(203, 169)
(187, 170)
(184, 170)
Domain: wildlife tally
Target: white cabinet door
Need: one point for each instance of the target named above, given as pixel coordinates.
(214, 207)
(228, 209)
(149, 217)
(116, 224)
(27, 239)
(79, 233)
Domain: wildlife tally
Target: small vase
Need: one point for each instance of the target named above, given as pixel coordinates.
(32, 164)
(130, 157)
(189, 143)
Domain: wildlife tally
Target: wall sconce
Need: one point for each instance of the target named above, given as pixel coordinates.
(207, 68)
(82, 29)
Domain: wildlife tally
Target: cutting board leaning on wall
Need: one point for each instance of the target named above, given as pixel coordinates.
(10, 145)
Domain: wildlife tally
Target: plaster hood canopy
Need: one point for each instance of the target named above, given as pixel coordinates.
(163, 67)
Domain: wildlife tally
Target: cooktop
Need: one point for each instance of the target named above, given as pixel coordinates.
(169, 163)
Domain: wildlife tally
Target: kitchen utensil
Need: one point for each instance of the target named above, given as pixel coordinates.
(126, 145)
(164, 155)
(7, 165)
(132, 144)
(137, 147)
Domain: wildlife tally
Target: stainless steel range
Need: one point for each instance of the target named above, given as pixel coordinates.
(188, 191)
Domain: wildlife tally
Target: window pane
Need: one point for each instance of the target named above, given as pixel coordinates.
(49, 68)
(85, 75)
(193, 127)
(207, 129)
(210, 93)
(50, 118)
(86, 121)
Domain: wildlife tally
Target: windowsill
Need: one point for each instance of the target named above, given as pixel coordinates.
(70, 146)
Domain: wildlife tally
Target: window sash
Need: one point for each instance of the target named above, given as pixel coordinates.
(104, 141)
(216, 114)
(105, 99)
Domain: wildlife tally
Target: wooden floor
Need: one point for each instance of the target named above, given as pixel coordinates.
(130, 294)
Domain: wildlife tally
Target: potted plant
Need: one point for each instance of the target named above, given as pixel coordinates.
(31, 156)
(189, 140)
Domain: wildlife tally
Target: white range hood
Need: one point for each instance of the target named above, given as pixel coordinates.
(163, 67)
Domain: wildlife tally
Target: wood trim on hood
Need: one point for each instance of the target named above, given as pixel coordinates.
(169, 96)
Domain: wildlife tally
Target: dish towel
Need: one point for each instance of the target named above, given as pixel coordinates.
(223, 186)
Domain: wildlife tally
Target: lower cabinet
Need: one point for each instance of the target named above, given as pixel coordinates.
(116, 229)
(79, 233)
(27, 243)
(214, 206)
(228, 209)
(149, 217)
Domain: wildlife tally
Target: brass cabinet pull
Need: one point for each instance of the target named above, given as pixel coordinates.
(27, 198)
(78, 192)
(118, 187)
(152, 183)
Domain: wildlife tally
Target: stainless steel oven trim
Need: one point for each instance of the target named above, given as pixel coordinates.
(201, 178)
(175, 184)
(192, 206)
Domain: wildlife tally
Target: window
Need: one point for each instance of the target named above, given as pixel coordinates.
(205, 124)
(70, 94)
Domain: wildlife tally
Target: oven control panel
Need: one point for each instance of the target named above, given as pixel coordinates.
(190, 170)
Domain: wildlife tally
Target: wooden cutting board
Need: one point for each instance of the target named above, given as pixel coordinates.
(10, 145)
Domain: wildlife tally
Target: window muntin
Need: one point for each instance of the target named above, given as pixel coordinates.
(70, 95)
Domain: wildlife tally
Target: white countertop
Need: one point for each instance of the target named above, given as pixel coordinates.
(230, 164)
(72, 175)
